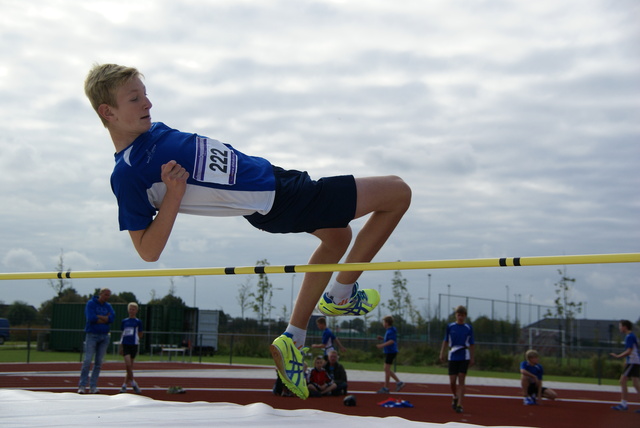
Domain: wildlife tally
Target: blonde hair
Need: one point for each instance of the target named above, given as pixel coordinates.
(132, 304)
(102, 84)
(531, 353)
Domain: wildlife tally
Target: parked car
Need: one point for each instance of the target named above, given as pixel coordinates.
(4, 330)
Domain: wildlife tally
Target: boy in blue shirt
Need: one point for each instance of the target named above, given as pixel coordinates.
(161, 171)
(390, 349)
(129, 343)
(531, 373)
(632, 366)
(458, 337)
(328, 338)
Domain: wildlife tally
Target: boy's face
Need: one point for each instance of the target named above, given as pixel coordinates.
(133, 311)
(460, 317)
(319, 364)
(533, 360)
(132, 114)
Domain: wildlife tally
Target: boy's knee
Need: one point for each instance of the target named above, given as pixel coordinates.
(403, 191)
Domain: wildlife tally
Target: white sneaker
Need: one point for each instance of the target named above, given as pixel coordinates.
(136, 389)
(82, 390)
(94, 390)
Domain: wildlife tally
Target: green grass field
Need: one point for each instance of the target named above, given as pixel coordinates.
(16, 352)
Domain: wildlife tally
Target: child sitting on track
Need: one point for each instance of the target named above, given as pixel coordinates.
(531, 380)
(320, 383)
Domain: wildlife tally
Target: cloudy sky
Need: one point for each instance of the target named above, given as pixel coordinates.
(516, 124)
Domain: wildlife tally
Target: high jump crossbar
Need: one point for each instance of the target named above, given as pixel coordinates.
(338, 267)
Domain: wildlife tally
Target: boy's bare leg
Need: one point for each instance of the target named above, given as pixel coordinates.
(623, 385)
(461, 387)
(333, 246)
(386, 199)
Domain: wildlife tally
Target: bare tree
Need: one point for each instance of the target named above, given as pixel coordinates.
(244, 296)
(262, 297)
(60, 284)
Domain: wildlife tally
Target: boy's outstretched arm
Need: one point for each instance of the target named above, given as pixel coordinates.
(150, 242)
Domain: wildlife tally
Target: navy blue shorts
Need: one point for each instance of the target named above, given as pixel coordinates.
(533, 389)
(305, 205)
(388, 358)
(459, 366)
(130, 350)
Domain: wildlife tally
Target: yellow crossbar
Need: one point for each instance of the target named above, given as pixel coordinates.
(338, 267)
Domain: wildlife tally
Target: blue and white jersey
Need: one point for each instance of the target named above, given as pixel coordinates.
(222, 181)
(534, 369)
(460, 337)
(130, 328)
(631, 342)
(327, 340)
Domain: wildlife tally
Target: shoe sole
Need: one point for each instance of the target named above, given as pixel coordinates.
(279, 361)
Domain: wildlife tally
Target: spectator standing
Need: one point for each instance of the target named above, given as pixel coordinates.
(390, 349)
(632, 366)
(131, 334)
(459, 338)
(99, 315)
(329, 340)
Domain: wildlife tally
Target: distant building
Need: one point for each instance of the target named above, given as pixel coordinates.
(551, 336)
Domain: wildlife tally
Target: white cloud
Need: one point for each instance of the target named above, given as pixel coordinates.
(21, 260)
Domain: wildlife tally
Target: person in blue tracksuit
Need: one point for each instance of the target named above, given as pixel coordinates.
(99, 315)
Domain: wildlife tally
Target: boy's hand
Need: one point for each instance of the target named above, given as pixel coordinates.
(174, 176)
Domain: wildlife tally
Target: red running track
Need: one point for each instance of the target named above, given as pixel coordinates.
(484, 405)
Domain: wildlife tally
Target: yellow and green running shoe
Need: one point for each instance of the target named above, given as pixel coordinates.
(361, 302)
(290, 366)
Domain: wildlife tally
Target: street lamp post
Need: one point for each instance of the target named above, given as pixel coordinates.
(194, 288)
(507, 302)
(429, 312)
(269, 313)
(291, 307)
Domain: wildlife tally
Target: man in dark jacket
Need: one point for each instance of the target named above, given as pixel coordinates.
(337, 373)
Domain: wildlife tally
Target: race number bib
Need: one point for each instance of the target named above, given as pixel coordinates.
(128, 331)
(215, 162)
